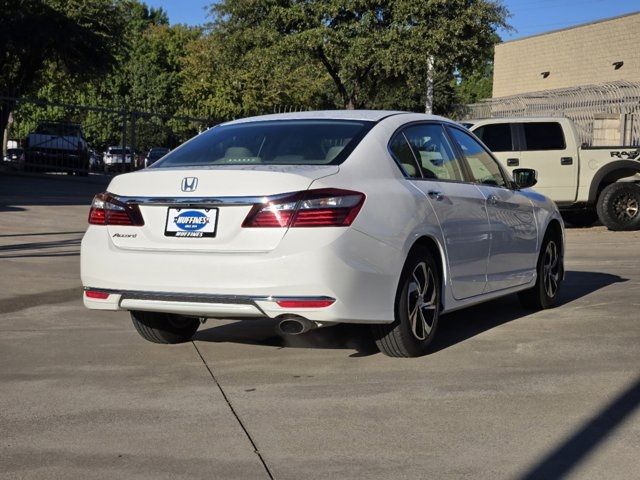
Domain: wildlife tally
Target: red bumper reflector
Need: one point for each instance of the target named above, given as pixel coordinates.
(96, 294)
(305, 303)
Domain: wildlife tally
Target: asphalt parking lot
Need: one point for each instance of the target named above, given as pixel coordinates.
(504, 393)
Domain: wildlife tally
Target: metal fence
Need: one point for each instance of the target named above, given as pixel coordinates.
(585, 105)
(56, 137)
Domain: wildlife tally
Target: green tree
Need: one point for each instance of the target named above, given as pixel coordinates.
(74, 36)
(374, 53)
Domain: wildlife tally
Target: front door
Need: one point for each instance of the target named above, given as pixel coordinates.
(513, 229)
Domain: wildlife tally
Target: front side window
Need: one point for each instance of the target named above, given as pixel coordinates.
(284, 142)
(496, 136)
(543, 136)
(484, 168)
(433, 152)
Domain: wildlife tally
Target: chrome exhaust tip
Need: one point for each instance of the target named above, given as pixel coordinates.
(296, 325)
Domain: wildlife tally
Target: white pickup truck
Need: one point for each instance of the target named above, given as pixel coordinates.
(586, 183)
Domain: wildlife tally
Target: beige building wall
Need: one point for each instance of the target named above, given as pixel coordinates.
(575, 56)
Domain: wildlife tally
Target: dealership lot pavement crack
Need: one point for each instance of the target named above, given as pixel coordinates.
(235, 413)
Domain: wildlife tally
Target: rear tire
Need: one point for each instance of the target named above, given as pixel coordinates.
(619, 206)
(580, 218)
(550, 270)
(164, 328)
(417, 309)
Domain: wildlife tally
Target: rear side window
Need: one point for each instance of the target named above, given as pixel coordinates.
(284, 142)
(496, 136)
(402, 153)
(543, 136)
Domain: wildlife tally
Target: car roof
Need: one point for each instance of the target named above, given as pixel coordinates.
(366, 115)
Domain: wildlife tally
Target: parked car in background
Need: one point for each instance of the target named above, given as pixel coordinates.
(14, 158)
(154, 155)
(57, 147)
(587, 183)
(117, 159)
(317, 218)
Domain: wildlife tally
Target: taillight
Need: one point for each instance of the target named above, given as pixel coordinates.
(107, 210)
(327, 207)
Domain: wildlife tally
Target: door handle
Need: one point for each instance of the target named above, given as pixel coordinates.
(566, 161)
(513, 162)
(492, 199)
(435, 195)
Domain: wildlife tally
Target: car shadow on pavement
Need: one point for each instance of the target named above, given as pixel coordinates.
(454, 328)
(263, 332)
(463, 324)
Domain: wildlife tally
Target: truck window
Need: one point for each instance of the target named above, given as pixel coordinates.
(543, 136)
(496, 136)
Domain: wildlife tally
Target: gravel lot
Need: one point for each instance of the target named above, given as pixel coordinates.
(504, 393)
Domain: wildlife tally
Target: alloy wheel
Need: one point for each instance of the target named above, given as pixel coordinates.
(626, 207)
(551, 269)
(421, 301)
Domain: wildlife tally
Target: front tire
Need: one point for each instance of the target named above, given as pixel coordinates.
(619, 206)
(164, 328)
(545, 292)
(417, 309)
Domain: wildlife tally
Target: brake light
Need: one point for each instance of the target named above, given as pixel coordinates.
(108, 210)
(327, 207)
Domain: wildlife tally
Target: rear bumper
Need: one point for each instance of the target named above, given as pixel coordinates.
(194, 304)
(357, 271)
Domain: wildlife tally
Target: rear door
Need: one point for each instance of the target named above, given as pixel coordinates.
(425, 153)
(514, 235)
(546, 149)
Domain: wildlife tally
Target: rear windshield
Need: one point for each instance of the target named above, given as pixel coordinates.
(59, 129)
(284, 142)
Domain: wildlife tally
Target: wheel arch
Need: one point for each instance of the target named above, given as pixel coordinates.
(611, 173)
(436, 249)
(555, 228)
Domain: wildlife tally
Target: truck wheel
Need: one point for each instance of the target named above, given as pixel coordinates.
(580, 218)
(549, 270)
(417, 309)
(164, 327)
(619, 206)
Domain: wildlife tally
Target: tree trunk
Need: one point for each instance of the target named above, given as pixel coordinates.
(5, 114)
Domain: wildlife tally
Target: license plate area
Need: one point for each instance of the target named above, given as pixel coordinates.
(191, 222)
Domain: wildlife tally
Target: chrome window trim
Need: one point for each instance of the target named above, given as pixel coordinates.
(200, 201)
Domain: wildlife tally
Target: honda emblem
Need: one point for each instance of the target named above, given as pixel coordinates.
(189, 184)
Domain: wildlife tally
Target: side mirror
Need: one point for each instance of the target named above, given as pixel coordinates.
(525, 177)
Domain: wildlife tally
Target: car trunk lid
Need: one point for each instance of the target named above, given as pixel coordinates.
(203, 209)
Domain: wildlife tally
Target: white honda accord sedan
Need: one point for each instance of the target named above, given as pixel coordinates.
(318, 218)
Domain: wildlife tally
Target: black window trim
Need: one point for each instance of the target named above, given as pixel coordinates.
(466, 172)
